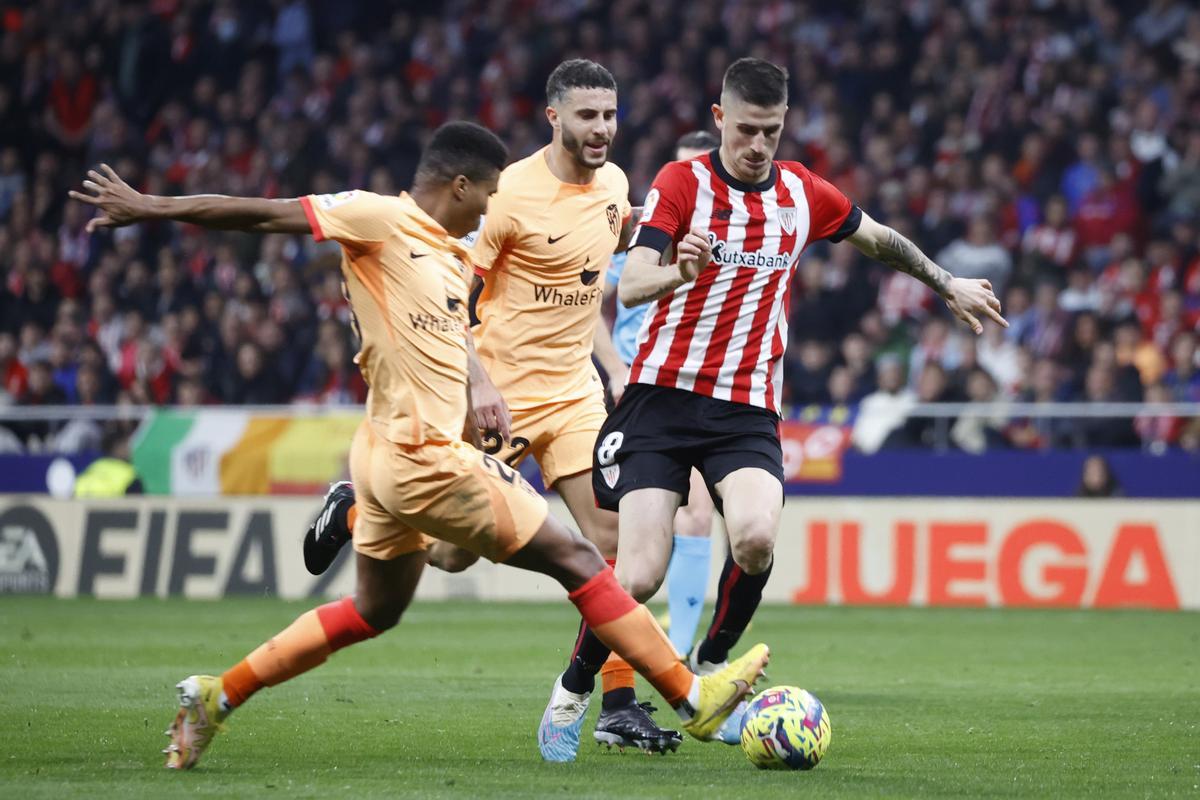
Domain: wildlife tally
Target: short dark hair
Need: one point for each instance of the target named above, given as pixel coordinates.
(461, 148)
(697, 140)
(758, 82)
(577, 73)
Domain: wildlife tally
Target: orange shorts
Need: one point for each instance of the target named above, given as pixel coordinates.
(409, 496)
(559, 436)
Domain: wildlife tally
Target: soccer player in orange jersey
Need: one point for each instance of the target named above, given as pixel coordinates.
(541, 258)
(415, 478)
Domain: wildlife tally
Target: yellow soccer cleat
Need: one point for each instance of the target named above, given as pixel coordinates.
(198, 720)
(722, 692)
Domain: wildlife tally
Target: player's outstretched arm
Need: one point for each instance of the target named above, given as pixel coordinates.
(645, 279)
(120, 204)
(968, 298)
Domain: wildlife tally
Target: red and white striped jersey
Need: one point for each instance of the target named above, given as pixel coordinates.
(724, 334)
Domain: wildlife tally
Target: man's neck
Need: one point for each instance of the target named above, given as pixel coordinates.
(733, 167)
(432, 202)
(566, 168)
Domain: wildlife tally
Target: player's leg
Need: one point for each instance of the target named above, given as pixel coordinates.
(565, 457)
(625, 626)
(389, 563)
(687, 574)
(384, 591)
(645, 546)
(752, 499)
(450, 557)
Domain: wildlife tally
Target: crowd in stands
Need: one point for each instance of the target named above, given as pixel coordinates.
(1051, 146)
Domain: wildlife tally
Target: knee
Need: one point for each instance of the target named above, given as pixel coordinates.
(454, 559)
(640, 584)
(753, 543)
(694, 523)
(379, 612)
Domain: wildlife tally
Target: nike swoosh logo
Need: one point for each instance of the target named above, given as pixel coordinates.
(419, 255)
(553, 239)
(743, 689)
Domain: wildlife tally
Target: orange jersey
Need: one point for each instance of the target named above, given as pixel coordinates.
(543, 253)
(407, 280)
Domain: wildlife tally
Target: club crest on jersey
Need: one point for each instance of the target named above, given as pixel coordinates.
(614, 218)
(787, 220)
(610, 474)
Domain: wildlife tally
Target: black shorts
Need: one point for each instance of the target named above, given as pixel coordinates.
(656, 435)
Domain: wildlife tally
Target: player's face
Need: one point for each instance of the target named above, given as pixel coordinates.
(473, 200)
(586, 124)
(749, 136)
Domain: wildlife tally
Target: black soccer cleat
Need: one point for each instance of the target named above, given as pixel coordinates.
(632, 726)
(329, 531)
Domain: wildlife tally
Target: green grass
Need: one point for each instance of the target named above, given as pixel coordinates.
(924, 704)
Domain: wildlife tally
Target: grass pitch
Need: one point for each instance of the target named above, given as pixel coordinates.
(924, 704)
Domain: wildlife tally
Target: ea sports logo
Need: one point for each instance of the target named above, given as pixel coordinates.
(28, 552)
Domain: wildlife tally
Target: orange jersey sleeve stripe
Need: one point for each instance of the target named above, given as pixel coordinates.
(313, 222)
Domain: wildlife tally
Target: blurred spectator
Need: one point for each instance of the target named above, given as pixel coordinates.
(252, 381)
(808, 375)
(1051, 243)
(1098, 479)
(979, 255)
(1158, 432)
(976, 434)
(1182, 380)
(885, 409)
(923, 432)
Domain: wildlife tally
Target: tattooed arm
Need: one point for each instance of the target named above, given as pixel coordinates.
(967, 298)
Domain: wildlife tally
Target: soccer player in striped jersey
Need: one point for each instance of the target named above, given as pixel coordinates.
(687, 573)
(715, 251)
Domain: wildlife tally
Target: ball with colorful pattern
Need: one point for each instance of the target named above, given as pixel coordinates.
(785, 727)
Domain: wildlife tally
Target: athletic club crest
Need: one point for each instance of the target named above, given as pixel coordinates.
(787, 220)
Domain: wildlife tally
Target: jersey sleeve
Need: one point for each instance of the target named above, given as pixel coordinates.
(494, 235)
(832, 215)
(667, 210)
(354, 217)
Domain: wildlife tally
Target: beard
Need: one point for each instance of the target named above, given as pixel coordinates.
(574, 146)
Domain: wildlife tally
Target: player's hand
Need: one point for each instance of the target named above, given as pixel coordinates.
(490, 411)
(970, 299)
(119, 203)
(693, 254)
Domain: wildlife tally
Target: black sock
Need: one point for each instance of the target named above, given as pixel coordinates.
(619, 698)
(587, 659)
(738, 595)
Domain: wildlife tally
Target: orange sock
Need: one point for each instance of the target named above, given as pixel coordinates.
(631, 631)
(299, 647)
(351, 515)
(616, 674)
